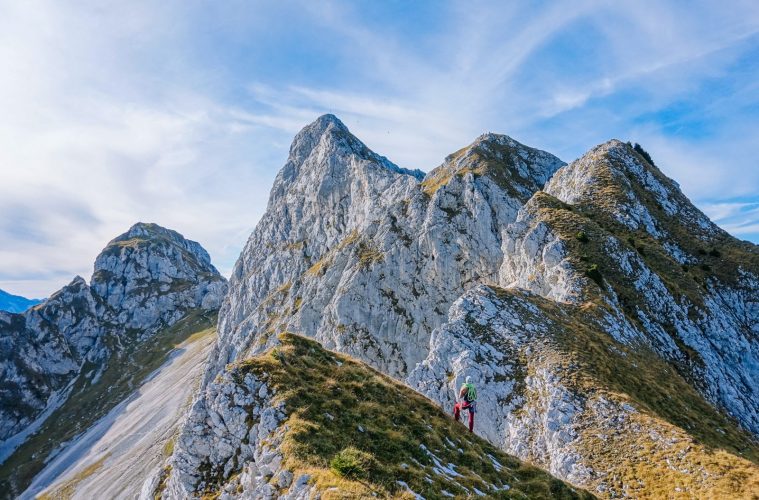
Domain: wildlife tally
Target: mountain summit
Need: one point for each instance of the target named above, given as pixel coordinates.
(610, 326)
(328, 138)
(611, 330)
(518, 169)
(68, 360)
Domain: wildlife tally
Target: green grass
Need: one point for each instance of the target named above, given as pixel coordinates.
(685, 283)
(356, 430)
(87, 403)
(368, 254)
(320, 267)
(496, 161)
(163, 479)
(352, 463)
(718, 256)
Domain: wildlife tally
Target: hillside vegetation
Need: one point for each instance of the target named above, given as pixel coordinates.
(359, 434)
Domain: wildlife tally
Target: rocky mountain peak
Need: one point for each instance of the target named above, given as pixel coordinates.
(493, 138)
(149, 263)
(77, 281)
(612, 343)
(327, 128)
(142, 235)
(148, 243)
(616, 180)
(148, 231)
(80, 352)
(517, 169)
(326, 148)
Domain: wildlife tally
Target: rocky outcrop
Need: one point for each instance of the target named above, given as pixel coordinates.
(672, 278)
(557, 391)
(413, 274)
(145, 281)
(366, 257)
(151, 276)
(244, 436)
(42, 351)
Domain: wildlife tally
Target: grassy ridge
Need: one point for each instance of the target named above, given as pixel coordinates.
(359, 433)
(674, 439)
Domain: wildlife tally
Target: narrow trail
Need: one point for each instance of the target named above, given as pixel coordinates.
(116, 455)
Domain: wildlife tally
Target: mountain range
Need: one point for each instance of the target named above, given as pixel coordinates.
(611, 329)
(15, 303)
(67, 361)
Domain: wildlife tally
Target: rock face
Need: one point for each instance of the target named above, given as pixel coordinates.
(654, 279)
(558, 391)
(540, 279)
(150, 276)
(366, 257)
(687, 287)
(145, 281)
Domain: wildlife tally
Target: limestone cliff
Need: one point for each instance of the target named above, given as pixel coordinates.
(68, 360)
(611, 326)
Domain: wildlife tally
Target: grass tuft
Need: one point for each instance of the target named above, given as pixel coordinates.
(352, 463)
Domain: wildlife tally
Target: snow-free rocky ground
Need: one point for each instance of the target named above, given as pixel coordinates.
(69, 360)
(610, 326)
(112, 459)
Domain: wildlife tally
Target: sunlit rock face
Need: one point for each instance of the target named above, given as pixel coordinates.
(539, 279)
(144, 281)
(366, 256)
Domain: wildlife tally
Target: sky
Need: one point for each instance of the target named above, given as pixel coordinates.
(182, 112)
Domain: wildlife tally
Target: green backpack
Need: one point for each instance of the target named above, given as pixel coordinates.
(471, 393)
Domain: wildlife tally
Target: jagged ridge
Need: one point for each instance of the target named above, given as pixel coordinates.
(368, 262)
(598, 412)
(69, 360)
(337, 218)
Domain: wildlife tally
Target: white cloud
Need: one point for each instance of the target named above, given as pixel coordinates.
(90, 144)
(124, 112)
(739, 218)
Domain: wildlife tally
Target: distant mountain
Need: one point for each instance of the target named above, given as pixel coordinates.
(68, 361)
(16, 303)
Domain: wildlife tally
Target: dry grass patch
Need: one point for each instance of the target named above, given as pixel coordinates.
(344, 416)
(68, 488)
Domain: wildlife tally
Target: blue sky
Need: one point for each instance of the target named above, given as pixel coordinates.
(181, 112)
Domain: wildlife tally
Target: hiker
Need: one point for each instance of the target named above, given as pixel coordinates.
(468, 397)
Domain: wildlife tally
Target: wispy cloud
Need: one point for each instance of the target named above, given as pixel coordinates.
(181, 113)
(739, 218)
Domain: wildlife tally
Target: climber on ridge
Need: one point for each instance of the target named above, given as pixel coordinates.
(468, 397)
